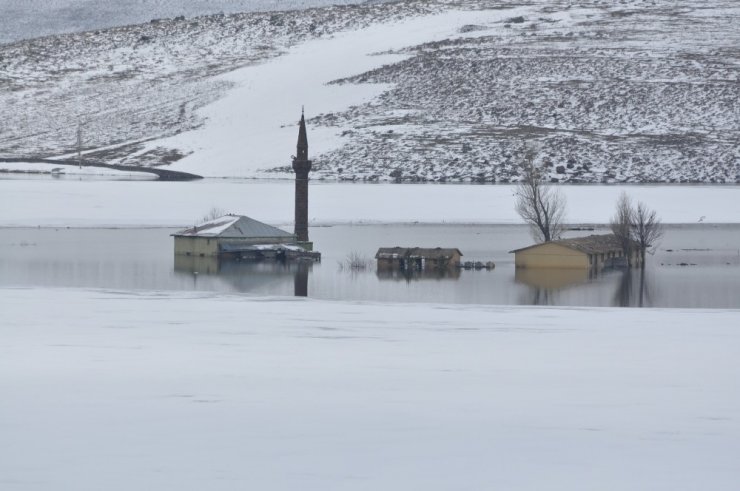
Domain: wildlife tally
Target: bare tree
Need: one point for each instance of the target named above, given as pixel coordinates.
(540, 204)
(636, 228)
(647, 230)
(621, 226)
(212, 214)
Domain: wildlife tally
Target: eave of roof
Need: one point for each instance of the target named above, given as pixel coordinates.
(591, 244)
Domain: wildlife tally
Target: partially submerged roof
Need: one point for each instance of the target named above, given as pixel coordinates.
(261, 247)
(233, 226)
(416, 252)
(592, 244)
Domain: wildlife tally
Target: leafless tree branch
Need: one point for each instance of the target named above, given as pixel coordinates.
(621, 225)
(541, 205)
(647, 229)
(636, 228)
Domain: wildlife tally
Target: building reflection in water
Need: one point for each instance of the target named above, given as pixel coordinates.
(196, 264)
(408, 275)
(544, 284)
(300, 280)
(247, 276)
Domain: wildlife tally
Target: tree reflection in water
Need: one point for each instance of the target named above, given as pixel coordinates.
(623, 295)
(633, 289)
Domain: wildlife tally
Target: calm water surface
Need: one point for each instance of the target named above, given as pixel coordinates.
(695, 266)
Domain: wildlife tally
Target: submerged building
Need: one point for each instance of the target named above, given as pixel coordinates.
(235, 236)
(417, 258)
(591, 252)
(244, 238)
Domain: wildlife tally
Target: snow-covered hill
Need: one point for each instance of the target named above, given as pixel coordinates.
(29, 19)
(645, 91)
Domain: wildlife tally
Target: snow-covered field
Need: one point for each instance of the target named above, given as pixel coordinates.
(119, 390)
(30, 169)
(88, 203)
(610, 92)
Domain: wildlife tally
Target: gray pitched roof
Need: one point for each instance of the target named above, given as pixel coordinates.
(234, 226)
(592, 244)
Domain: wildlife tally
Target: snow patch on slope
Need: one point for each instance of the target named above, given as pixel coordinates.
(250, 129)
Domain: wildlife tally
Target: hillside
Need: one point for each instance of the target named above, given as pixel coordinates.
(642, 93)
(35, 18)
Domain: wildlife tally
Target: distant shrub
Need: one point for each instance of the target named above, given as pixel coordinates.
(472, 28)
(212, 214)
(355, 261)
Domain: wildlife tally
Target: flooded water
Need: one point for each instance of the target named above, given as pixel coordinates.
(695, 266)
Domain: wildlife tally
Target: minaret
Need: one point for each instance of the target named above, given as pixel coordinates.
(302, 166)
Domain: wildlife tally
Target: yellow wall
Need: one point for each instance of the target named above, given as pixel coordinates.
(551, 256)
(196, 246)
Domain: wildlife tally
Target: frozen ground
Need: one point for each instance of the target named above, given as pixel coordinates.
(130, 85)
(609, 92)
(35, 18)
(120, 390)
(68, 202)
(28, 169)
(253, 126)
